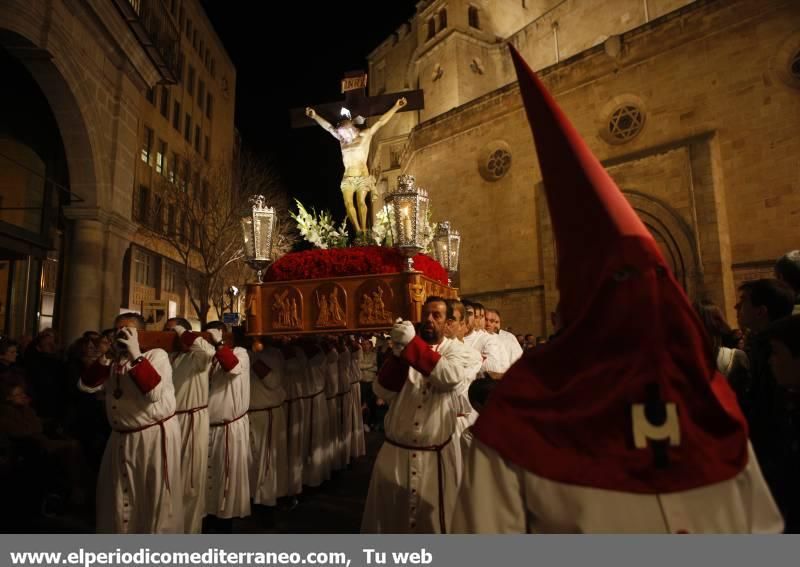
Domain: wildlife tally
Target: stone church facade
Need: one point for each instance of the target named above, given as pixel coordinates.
(692, 106)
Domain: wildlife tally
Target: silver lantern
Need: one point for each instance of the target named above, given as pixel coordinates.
(410, 204)
(446, 248)
(258, 229)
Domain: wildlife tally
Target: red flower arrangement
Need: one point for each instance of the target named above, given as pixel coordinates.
(356, 261)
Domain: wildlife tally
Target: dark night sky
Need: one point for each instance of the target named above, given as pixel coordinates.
(295, 56)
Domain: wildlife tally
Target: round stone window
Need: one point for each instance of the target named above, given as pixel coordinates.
(794, 68)
(786, 63)
(495, 160)
(625, 122)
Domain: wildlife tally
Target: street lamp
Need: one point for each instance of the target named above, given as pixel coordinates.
(410, 204)
(258, 229)
(233, 293)
(446, 248)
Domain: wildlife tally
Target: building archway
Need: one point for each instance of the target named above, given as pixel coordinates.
(72, 109)
(673, 236)
(48, 162)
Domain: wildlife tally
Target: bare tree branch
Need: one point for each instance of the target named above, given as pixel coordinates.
(196, 210)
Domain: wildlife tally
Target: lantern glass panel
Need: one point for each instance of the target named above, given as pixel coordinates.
(263, 223)
(247, 234)
(440, 251)
(405, 220)
(422, 216)
(455, 245)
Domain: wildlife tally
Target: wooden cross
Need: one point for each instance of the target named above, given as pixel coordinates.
(354, 87)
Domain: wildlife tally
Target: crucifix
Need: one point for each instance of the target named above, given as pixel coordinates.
(355, 141)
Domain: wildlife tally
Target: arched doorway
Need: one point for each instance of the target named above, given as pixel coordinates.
(673, 236)
(46, 164)
(33, 186)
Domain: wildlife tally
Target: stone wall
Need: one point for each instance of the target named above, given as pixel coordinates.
(91, 69)
(714, 166)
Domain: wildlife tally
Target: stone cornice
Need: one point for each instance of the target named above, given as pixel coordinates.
(111, 221)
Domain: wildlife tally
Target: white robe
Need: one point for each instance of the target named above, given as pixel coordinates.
(404, 494)
(190, 376)
(358, 447)
(465, 414)
(293, 380)
(466, 439)
(345, 406)
(228, 488)
(316, 467)
(269, 463)
(498, 497)
(510, 345)
(334, 410)
(494, 358)
(134, 495)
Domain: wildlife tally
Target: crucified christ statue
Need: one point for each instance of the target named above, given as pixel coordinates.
(355, 151)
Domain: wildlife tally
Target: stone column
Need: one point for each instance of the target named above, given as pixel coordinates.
(93, 277)
(82, 301)
(118, 238)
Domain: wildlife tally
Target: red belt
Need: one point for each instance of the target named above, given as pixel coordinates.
(191, 413)
(160, 424)
(225, 424)
(439, 470)
(269, 430)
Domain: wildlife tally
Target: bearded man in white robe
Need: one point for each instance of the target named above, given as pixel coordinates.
(414, 480)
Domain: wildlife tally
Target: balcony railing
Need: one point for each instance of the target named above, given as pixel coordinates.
(156, 32)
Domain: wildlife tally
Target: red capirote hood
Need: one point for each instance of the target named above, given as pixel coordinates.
(625, 398)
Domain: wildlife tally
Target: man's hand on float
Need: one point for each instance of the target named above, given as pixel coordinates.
(402, 334)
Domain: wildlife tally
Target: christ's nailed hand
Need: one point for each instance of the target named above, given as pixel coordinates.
(310, 112)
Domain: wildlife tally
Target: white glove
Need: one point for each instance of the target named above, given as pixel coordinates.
(179, 330)
(131, 342)
(216, 336)
(396, 349)
(402, 334)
